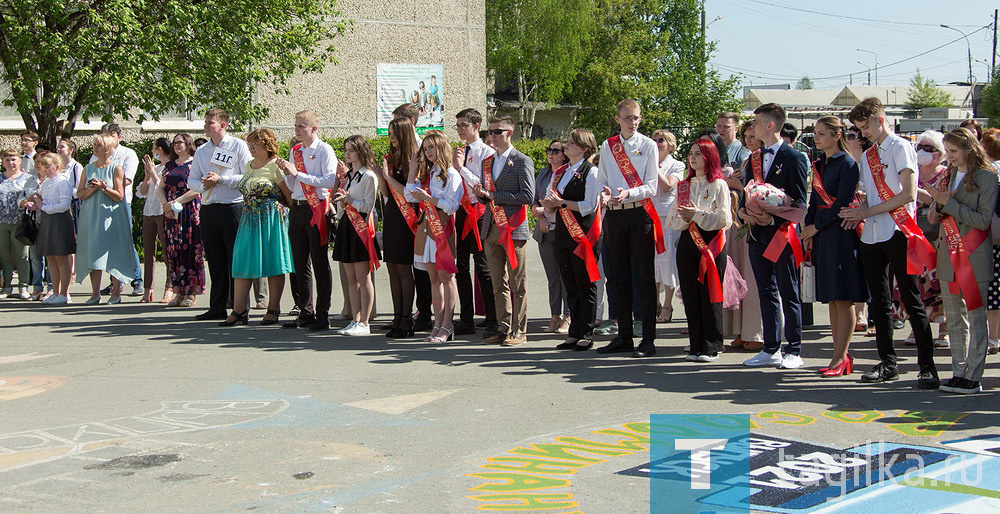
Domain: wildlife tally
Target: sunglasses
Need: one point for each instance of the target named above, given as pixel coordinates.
(554, 151)
(497, 132)
(927, 148)
(660, 140)
(851, 136)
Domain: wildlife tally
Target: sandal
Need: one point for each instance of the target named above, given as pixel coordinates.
(168, 296)
(265, 321)
(738, 343)
(860, 327)
(188, 301)
(147, 296)
(666, 315)
(753, 345)
(440, 338)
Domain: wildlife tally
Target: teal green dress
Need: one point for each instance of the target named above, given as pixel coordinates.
(262, 248)
(105, 232)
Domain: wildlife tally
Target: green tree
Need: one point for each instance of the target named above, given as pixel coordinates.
(538, 45)
(805, 83)
(990, 100)
(652, 51)
(71, 60)
(925, 93)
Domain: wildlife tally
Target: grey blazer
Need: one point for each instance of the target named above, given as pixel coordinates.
(971, 209)
(515, 189)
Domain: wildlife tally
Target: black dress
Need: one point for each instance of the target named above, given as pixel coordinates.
(396, 235)
(839, 276)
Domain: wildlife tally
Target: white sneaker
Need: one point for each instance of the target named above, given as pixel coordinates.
(349, 326)
(763, 359)
(942, 342)
(359, 329)
(691, 357)
(50, 299)
(790, 361)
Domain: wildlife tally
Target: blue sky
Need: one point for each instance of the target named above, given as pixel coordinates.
(777, 41)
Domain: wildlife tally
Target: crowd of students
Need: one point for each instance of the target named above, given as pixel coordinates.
(728, 228)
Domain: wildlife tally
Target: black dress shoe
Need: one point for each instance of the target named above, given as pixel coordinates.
(422, 325)
(404, 330)
(567, 345)
(928, 380)
(880, 373)
(322, 323)
(106, 290)
(645, 349)
(209, 315)
(482, 324)
(617, 345)
(463, 328)
(300, 322)
(583, 345)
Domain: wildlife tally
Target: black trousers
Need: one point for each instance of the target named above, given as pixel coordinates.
(629, 233)
(312, 263)
(464, 248)
(778, 290)
(878, 261)
(704, 318)
(219, 224)
(581, 293)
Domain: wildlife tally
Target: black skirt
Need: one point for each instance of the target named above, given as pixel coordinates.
(396, 234)
(348, 246)
(56, 235)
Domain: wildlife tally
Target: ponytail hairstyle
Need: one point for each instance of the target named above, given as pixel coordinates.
(837, 127)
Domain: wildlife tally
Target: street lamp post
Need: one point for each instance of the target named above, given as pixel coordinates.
(869, 72)
(876, 64)
(967, 46)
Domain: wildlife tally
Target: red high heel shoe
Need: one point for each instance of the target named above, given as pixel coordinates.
(846, 367)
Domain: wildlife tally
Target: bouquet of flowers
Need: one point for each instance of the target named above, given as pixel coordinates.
(764, 198)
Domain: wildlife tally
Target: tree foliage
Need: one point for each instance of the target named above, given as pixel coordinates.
(652, 51)
(805, 83)
(925, 93)
(71, 60)
(990, 100)
(539, 45)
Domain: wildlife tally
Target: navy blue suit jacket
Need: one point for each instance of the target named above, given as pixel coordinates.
(789, 172)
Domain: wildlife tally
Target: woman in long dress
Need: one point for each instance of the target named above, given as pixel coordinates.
(105, 225)
(183, 251)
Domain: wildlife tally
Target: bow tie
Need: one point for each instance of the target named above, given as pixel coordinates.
(766, 151)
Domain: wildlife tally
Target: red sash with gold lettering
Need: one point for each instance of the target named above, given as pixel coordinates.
(585, 241)
(708, 272)
(632, 178)
(366, 232)
(318, 207)
(405, 208)
(959, 249)
(443, 259)
(473, 211)
(786, 234)
(817, 183)
(504, 225)
(919, 252)
(757, 165)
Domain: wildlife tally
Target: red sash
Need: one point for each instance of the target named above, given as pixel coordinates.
(632, 178)
(757, 165)
(817, 183)
(366, 232)
(473, 211)
(405, 208)
(443, 259)
(318, 207)
(708, 272)
(919, 252)
(504, 225)
(585, 241)
(959, 249)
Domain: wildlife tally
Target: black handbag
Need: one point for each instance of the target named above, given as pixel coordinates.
(27, 229)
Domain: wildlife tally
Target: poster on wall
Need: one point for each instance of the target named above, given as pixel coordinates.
(419, 84)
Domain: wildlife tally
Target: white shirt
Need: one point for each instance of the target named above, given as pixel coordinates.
(74, 170)
(126, 158)
(475, 152)
(670, 167)
(225, 192)
(361, 190)
(768, 159)
(896, 154)
(643, 153)
(959, 175)
(151, 207)
(321, 171)
(500, 162)
(590, 191)
(711, 201)
(57, 194)
(448, 192)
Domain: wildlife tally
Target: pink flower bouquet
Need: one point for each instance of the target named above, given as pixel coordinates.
(762, 198)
